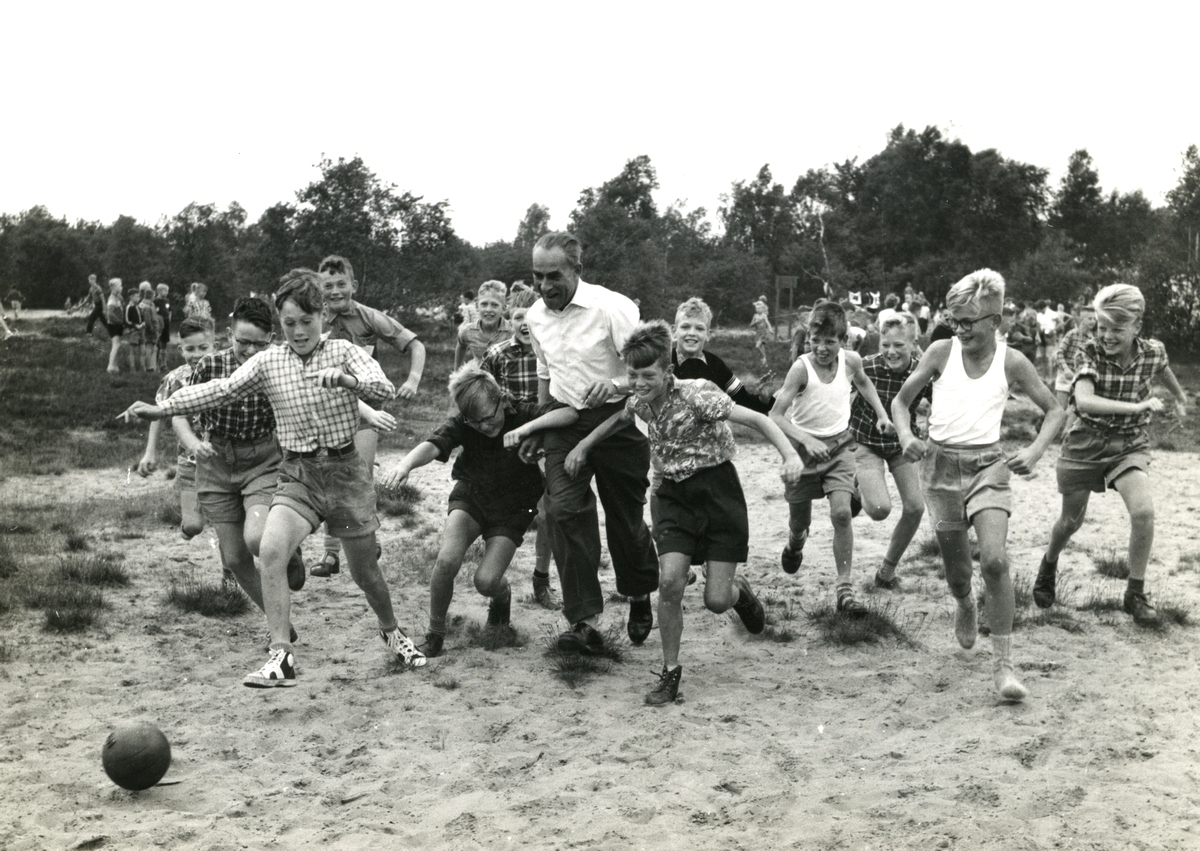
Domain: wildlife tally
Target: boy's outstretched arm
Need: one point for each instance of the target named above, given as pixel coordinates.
(577, 457)
(420, 455)
(1023, 374)
(557, 418)
(792, 465)
(378, 420)
(931, 366)
(793, 385)
(866, 389)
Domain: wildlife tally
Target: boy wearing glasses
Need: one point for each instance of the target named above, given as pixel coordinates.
(495, 494)
(964, 469)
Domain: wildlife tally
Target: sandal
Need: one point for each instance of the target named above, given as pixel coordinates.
(329, 565)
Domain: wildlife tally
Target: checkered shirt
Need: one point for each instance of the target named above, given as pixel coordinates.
(248, 419)
(689, 434)
(1112, 381)
(514, 366)
(887, 385)
(172, 381)
(1070, 347)
(307, 416)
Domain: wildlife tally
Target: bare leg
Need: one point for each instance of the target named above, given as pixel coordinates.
(1134, 488)
(908, 483)
(672, 580)
(238, 560)
(364, 570)
(283, 532)
(460, 532)
(192, 523)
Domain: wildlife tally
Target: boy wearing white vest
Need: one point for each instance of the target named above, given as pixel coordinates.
(813, 409)
(964, 470)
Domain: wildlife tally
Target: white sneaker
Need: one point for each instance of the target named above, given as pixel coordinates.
(403, 647)
(279, 672)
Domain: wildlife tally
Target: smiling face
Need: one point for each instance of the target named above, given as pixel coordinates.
(649, 382)
(897, 345)
(491, 308)
(248, 340)
(520, 326)
(339, 292)
(195, 346)
(824, 347)
(1087, 321)
(301, 330)
(555, 276)
(1116, 338)
(975, 324)
(691, 335)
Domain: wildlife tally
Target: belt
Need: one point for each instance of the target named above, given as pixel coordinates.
(234, 441)
(321, 452)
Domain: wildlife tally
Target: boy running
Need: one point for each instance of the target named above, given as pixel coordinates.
(1107, 444)
(702, 516)
(813, 409)
(888, 371)
(495, 494)
(475, 337)
(964, 471)
(312, 385)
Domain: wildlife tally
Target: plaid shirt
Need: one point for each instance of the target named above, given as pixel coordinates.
(689, 434)
(887, 385)
(172, 381)
(307, 416)
(248, 419)
(1070, 347)
(1112, 381)
(514, 366)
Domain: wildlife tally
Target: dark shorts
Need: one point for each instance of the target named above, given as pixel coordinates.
(871, 457)
(335, 489)
(961, 481)
(703, 516)
(114, 330)
(240, 475)
(821, 478)
(1093, 460)
(497, 514)
(164, 338)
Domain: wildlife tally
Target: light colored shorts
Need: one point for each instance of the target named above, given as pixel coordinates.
(240, 475)
(337, 489)
(1093, 460)
(821, 478)
(960, 481)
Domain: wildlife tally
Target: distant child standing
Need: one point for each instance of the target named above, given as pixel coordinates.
(196, 302)
(495, 494)
(196, 340)
(135, 330)
(347, 319)
(702, 517)
(312, 385)
(876, 448)
(813, 409)
(15, 299)
(513, 364)
(476, 337)
(162, 306)
(1107, 444)
(96, 296)
(761, 325)
(114, 323)
(151, 329)
(964, 470)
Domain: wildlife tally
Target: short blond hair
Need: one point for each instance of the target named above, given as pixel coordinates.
(899, 319)
(1120, 304)
(522, 297)
(497, 288)
(472, 387)
(694, 307)
(979, 286)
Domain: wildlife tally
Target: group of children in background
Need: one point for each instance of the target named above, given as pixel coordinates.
(138, 322)
(839, 422)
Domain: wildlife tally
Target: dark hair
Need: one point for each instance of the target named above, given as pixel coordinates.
(892, 300)
(255, 311)
(827, 319)
(303, 286)
(195, 325)
(335, 264)
(561, 239)
(648, 343)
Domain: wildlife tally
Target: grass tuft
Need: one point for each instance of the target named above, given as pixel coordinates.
(492, 638)
(1100, 599)
(574, 669)
(68, 608)
(1189, 560)
(76, 543)
(879, 624)
(99, 569)
(1111, 563)
(448, 683)
(399, 502)
(170, 514)
(205, 598)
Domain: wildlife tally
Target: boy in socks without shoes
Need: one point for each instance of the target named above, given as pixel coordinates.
(1107, 444)
(495, 494)
(702, 515)
(813, 409)
(964, 471)
(312, 385)
(875, 448)
(513, 364)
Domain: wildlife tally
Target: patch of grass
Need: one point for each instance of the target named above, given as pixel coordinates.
(68, 607)
(1055, 616)
(1173, 612)
(1189, 561)
(492, 638)
(76, 543)
(400, 502)
(170, 514)
(6, 653)
(190, 594)
(10, 562)
(927, 548)
(448, 683)
(11, 528)
(1111, 563)
(99, 569)
(574, 669)
(880, 623)
(415, 562)
(1100, 599)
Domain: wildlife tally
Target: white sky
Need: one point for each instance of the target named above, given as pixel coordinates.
(142, 108)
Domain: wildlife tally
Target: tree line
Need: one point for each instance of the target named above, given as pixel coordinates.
(922, 212)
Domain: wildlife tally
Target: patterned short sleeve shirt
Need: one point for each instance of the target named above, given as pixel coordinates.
(172, 381)
(1124, 384)
(887, 385)
(690, 433)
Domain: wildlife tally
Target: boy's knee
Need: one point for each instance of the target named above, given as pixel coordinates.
(840, 516)
(488, 586)
(878, 512)
(671, 588)
(253, 542)
(718, 601)
(993, 568)
(192, 526)
(1142, 515)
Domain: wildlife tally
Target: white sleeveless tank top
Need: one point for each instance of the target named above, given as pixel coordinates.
(823, 410)
(968, 410)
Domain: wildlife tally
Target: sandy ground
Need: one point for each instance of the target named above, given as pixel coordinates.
(797, 744)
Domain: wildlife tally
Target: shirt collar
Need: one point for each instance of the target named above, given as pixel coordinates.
(585, 295)
(679, 360)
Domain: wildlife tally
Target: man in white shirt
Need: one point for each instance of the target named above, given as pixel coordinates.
(577, 330)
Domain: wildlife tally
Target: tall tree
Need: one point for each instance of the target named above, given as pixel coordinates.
(1184, 201)
(1078, 208)
(533, 226)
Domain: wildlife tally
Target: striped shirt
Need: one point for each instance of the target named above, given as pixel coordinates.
(887, 385)
(249, 419)
(1123, 384)
(307, 416)
(514, 366)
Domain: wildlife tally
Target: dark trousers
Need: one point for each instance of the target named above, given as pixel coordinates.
(619, 465)
(97, 313)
